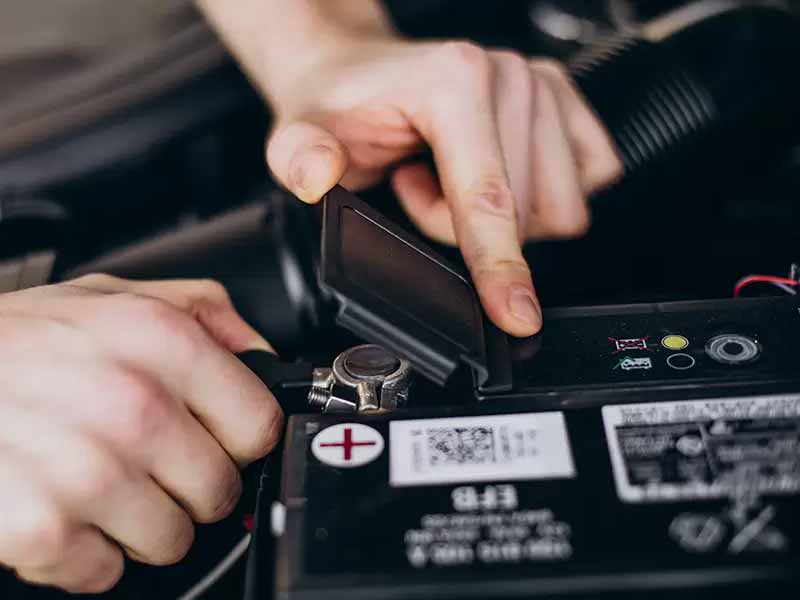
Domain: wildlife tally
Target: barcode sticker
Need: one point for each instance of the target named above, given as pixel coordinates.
(483, 448)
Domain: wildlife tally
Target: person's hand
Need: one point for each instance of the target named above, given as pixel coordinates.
(124, 416)
(516, 148)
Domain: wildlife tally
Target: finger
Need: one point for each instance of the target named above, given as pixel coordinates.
(205, 299)
(459, 125)
(421, 197)
(154, 432)
(559, 205)
(38, 536)
(366, 155)
(33, 532)
(359, 179)
(209, 302)
(199, 474)
(307, 159)
(92, 565)
(162, 438)
(160, 343)
(146, 522)
(231, 402)
(121, 500)
(515, 91)
(81, 480)
(598, 162)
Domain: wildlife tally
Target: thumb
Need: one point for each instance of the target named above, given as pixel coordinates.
(307, 159)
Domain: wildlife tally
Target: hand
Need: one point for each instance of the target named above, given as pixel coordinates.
(516, 148)
(124, 415)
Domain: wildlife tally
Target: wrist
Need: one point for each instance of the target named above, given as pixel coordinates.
(281, 42)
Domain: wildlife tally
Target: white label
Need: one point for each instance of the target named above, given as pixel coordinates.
(482, 448)
(673, 451)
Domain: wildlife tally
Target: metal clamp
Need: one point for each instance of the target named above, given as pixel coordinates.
(363, 378)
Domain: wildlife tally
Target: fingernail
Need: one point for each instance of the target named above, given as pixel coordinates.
(251, 339)
(310, 172)
(297, 178)
(523, 306)
(258, 342)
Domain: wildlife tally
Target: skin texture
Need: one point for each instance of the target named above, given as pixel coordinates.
(125, 417)
(516, 148)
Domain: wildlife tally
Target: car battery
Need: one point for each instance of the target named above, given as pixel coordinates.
(487, 503)
(626, 450)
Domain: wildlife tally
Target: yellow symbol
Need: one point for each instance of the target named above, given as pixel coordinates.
(674, 342)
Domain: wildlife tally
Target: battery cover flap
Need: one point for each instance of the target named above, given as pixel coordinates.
(395, 291)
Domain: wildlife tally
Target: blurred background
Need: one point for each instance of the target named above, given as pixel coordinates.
(130, 143)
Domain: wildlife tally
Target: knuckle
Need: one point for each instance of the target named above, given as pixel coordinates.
(141, 409)
(179, 539)
(268, 427)
(42, 536)
(501, 266)
(32, 576)
(105, 575)
(463, 60)
(516, 65)
(552, 68)
(101, 280)
(133, 306)
(214, 290)
(224, 491)
(493, 196)
(606, 173)
(157, 317)
(98, 474)
(567, 227)
(146, 309)
(274, 431)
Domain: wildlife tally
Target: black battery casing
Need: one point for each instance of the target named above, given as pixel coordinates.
(346, 531)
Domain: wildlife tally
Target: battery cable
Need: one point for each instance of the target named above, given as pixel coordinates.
(215, 574)
(787, 284)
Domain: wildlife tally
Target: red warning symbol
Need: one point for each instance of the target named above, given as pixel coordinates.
(627, 344)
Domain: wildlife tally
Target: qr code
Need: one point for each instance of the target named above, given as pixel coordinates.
(460, 445)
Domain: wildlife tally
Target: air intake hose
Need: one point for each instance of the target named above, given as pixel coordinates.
(725, 84)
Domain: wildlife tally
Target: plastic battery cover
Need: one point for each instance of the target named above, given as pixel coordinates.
(395, 291)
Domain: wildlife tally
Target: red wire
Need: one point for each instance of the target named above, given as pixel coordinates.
(249, 522)
(750, 279)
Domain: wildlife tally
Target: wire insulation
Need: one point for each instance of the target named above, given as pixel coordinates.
(771, 279)
(215, 574)
(788, 289)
